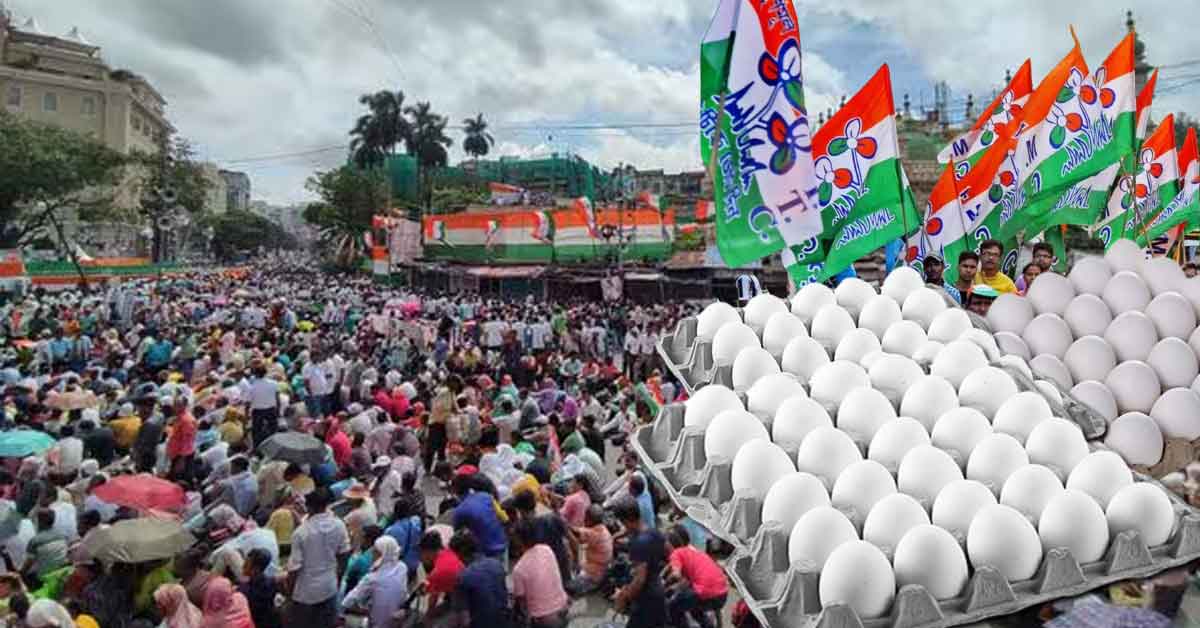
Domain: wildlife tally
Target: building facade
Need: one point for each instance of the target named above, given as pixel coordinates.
(237, 190)
(216, 198)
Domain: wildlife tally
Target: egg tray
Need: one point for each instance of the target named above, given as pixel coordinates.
(785, 595)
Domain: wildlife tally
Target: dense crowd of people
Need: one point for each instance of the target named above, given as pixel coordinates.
(335, 451)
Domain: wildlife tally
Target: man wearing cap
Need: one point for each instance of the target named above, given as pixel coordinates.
(387, 485)
(125, 426)
(981, 298)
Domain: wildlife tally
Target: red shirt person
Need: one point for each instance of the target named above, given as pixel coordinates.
(443, 567)
(700, 584)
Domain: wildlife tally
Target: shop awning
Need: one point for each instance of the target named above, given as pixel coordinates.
(506, 272)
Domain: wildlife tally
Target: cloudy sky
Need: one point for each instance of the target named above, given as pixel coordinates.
(271, 86)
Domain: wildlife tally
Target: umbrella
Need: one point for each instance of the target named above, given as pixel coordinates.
(137, 541)
(21, 443)
(143, 492)
(295, 447)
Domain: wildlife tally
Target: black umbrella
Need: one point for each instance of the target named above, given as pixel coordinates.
(295, 447)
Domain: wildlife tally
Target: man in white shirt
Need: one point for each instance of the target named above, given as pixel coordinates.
(263, 395)
(493, 333)
(320, 547)
(316, 380)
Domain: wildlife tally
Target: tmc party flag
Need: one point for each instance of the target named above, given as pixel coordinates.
(865, 198)
(1182, 209)
(944, 230)
(1112, 226)
(1144, 99)
(754, 133)
(1156, 183)
(1089, 126)
(998, 119)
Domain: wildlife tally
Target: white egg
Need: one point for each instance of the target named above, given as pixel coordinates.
(1162, 274)
(956, 360)
(894, 439)
(780, 329)
(1049, 367)
(1098, 397)
(922, 305)
(856, 344)
(862, 412)
(1051, 293)
(928, 351)
(949, 325)
(757, 465)
(983, 340)
(1126, 292)
(1144, 507)
(1029, 489)
(892, 516)
(930, 557)
(957, 503)
(1010, 312)
(831, 382)
(1196, 385)
(928, 399)
(1057, 444)
(1012, 344)
(1048, 334)
(809, 299)
(1172, 315)
(852, 294)
(1134, 385)
(878, 314)
(1132, 336)
(1100, 474)
(1194, 341)
(1174, 362)
(1177, 413)
(958, 431)
(860, 485)
(869, 359)
(1019, 414)
(858, 575)
(1091, 357)
(759, 309)
(1124, 255)
(1087, 315)
(751, 365)
(901, 282)
(1002, 538)
(816, 534)
(795, 418)
(728, 431)
(708, 402)
(1089, 274)
(825, 452)
(924, 470)
(1137, 438)
(1016, 362)
(729, 341)
(986, 389)
(995, 458)
(803, 356)
(1190, 289)
(713, 317)
(765, 396)
(830, 325)
(1049, 390)
(894, 373)
(791, 496)
(1073, 520)
(903, 337)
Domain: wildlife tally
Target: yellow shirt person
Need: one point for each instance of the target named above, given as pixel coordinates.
(998, 281)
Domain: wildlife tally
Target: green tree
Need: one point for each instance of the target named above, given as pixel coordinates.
(349, 197)
(170, 180)
(377, 133)
(44, 169)
(237, 232)
(427, 143)
(478, 141)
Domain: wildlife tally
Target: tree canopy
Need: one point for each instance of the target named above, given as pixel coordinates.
(237, 232)
(349, 197)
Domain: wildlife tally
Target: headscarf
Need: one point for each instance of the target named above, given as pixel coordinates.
(389, 553)
(177, 610)
(48, 614)
(224, 607)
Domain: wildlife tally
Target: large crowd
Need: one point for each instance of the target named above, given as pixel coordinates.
(330, 451)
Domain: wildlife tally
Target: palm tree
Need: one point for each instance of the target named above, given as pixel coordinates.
(478, 140)
(427, 142)
(377, 133)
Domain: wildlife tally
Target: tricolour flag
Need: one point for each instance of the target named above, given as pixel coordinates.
(543, 228)
(865, 198)
(998, 119)
(944, 230)
(1112, 227)
(980, 193)
(505, 194)
(1144, 99)
(1089, 126)
(1165, 205)
(754, 132)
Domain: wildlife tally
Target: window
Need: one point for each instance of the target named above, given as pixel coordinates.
(50, 101)
(12, 97)
(87, 106)
(137, 122)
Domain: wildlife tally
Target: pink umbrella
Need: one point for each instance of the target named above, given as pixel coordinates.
(142, 491)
